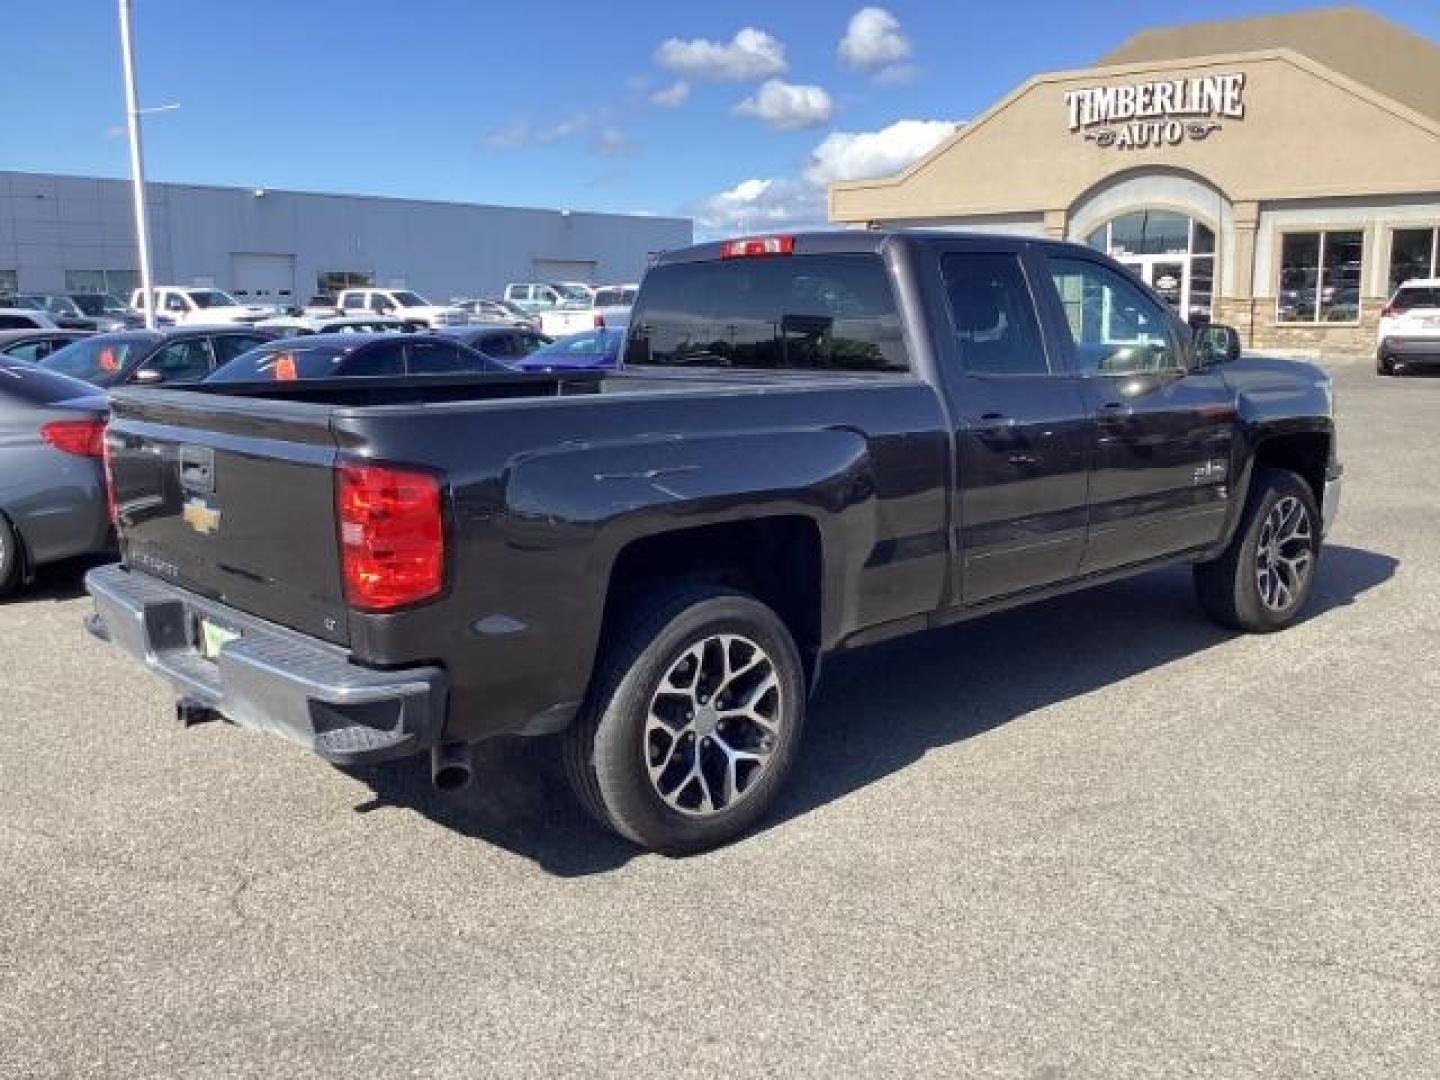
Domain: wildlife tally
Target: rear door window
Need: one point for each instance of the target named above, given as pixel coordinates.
(386, 359)
(229, 346)
(992, 315)
(438, 358)
(803, 312)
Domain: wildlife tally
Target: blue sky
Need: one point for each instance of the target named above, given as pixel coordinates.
(547, 104)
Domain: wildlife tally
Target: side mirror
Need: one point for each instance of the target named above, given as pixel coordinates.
(147, 377)
(1217, 344)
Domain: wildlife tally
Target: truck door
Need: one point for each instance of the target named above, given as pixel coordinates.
(1022, 430)
(1163, 429)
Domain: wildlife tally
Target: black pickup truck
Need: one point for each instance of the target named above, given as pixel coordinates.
(816, 442)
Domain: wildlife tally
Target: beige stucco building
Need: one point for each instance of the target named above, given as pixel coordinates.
(1281, 174)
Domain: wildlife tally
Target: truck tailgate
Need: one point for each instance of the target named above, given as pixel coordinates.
(233, 499)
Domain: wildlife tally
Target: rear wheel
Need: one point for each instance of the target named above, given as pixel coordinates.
(693, 723)
(1263, 579)
(9, 558)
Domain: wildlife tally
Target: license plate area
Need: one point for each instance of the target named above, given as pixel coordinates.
(211, 637)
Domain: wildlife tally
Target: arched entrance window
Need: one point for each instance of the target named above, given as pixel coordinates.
(1173, 253)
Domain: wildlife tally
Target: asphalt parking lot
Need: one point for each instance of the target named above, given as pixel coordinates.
(1095, 838)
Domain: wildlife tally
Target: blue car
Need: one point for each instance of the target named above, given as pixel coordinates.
(589, 350)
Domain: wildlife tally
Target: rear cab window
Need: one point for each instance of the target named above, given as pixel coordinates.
(832, 312)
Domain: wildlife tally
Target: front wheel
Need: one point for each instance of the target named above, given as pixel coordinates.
(1264, 577)
(693, 721)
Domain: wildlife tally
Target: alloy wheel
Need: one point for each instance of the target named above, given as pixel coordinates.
(1285, 554)
(714, 723)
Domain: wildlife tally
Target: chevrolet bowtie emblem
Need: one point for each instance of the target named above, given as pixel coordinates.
(200, 516)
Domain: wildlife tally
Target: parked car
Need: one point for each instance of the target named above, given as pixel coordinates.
(61, 309)
(589, 350)
(180, 305)
(35, 345)
(178, 354)
(498, 312)
(1409, 332)
(52, 484)
(401, 304)
(321, 306)
(508, 344)
(817, 442)
(345, 355)
(544, 296)
(299, 325)
(613, 304)
(106, 311)
(21, 318)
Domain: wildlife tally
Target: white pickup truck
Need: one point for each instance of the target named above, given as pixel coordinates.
(402, 304)
(182, 305)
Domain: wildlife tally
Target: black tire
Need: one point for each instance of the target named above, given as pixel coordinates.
(1232, 589)
(610, 749)
(10, 558)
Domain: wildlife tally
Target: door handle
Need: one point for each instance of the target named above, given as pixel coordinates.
(995, 423)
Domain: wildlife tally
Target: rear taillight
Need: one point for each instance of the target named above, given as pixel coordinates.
(757, 246)
(392, 536)
(84, 438)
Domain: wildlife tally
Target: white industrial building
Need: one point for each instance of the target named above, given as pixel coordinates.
(77, 234)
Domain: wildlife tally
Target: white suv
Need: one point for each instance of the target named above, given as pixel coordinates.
(1409, 334)
(180, 305)
(400, 304)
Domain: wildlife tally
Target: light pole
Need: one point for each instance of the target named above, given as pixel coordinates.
(137, 165)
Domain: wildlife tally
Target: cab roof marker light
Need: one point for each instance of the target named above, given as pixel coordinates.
(757, 246)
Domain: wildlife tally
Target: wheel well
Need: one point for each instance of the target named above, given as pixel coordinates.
(777, 560)
(1305, 453)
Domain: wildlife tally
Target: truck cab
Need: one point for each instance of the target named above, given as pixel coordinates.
(180, 305)
(404, 304)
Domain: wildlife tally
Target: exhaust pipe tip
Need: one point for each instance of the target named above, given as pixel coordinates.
(451, 767)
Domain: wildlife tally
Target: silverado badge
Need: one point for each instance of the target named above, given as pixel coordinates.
(200, 516)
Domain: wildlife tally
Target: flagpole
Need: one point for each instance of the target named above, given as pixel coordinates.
(137, 166)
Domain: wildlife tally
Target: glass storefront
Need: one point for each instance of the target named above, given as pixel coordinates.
(1173, 253)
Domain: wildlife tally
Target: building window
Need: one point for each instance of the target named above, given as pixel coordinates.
(9, 281)
(1320, 277)
(114, 282)
(1413, 254)
(329, 282)
(1172, 253)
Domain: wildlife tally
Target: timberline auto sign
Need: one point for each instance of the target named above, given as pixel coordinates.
(1135, 116)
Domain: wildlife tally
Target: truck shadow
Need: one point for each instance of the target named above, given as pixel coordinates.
(879, 709)
(59, 581)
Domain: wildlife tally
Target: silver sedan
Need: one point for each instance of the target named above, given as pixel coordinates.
(53, 502)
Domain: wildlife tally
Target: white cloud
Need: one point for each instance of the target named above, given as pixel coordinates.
(873, 42)
(864, 155)
(750, 54)
(788, 106)
(673, 96)
(756, 205)
(611, 141)
(605, 137)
